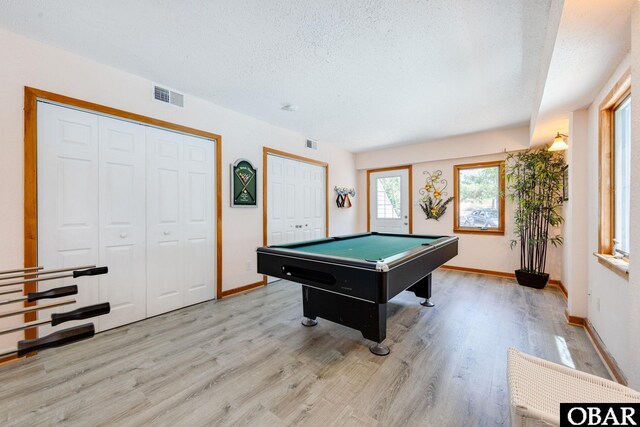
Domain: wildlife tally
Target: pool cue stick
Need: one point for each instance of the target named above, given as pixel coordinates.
(90, 272)
(58, 318)
(39, 273)
(56, 339)
(13, 291)
(36, 308)
(19, 270)
(63, 291)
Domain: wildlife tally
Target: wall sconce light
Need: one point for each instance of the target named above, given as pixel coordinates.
(558, 143)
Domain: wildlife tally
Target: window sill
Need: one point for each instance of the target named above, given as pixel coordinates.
(491, 232)
(617, 265)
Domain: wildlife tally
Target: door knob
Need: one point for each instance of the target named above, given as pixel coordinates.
(123, 235)
(406, 223)
(166, 233)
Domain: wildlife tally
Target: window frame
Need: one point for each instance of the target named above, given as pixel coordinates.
(457, 228)
(614, 109)
(606, 175)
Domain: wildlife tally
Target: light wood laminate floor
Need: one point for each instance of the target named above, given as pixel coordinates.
(246, 360)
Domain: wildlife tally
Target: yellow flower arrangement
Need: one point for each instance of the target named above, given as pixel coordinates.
(433, 201)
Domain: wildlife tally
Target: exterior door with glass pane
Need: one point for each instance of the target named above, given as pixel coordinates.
(389, 201)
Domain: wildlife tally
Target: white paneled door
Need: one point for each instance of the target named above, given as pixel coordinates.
(314, 199)
(165, 182)
(122, 238)
(179, 220)
(389, 201)
(68, 225)
(137, 199)
(296, 200)
(198, 202)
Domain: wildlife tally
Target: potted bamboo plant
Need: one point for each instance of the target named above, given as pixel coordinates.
(534, 183)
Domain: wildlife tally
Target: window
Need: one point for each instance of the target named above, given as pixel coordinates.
(388, 193)
(478, 204)
(615, 177)
(622, 176)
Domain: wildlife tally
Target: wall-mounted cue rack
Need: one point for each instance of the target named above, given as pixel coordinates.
(12, 291)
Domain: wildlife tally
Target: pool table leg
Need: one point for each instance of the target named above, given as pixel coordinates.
(422, 289)
(309, 322)
(427, 303)
(379, 349)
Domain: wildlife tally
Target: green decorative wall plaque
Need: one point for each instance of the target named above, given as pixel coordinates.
(244, 178)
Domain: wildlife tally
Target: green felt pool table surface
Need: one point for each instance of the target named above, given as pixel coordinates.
(366, 247)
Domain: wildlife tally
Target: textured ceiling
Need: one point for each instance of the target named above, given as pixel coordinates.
(364, 74)
(593, 37)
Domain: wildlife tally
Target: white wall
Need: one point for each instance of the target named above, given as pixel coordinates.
(477, 144)
(486, 252)
(29, 63)
(575, 249)
(613, 302)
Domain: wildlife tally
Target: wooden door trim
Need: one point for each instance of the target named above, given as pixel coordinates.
(409, 169)
(31, 97)
(265, 153)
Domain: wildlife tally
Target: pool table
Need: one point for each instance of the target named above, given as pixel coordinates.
(349, 279)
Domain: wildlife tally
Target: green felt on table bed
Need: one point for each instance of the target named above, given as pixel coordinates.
(372, 247)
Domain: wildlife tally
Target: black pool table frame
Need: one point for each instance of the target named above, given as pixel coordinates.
(355, 292)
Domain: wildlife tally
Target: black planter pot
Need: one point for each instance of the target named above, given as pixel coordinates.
(532, 280)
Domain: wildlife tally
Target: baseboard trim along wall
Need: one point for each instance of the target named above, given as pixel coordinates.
(8, 359)
(574, 320)
(601, 349)
(552, 282)
(242, 289)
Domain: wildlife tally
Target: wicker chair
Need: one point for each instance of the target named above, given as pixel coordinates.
(537, 387)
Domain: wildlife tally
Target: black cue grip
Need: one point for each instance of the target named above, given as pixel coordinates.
(81, 313)
(56, 339)
(63, 291)
(91, 272)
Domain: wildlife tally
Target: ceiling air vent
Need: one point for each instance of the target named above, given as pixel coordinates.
(163, 94)
(312, 144)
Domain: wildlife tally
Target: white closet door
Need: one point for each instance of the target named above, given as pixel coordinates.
(275, 200)
(122, 220)
(198, 201)
(180, 221)
(296, 201)
(292, 202)
(314, 201)
(68, 199)
(284, 201)
(165, 234)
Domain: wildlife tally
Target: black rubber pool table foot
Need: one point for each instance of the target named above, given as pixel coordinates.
(379, 349)
(427, 303)
(308, 322)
